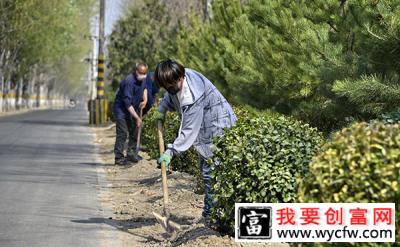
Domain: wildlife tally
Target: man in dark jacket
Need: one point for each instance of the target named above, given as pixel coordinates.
(130, 98)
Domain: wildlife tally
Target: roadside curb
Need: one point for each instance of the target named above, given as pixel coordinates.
(110, 234)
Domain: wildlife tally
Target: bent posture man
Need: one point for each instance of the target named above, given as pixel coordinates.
(203, 111)
(131, 97)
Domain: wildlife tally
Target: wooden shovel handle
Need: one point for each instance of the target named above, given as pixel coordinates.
(139, 132)
(163, 167)
(160, 137)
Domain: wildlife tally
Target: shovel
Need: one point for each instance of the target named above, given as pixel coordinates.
(139, 133)
(164, 220)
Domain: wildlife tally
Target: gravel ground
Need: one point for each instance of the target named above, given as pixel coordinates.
(135, 192)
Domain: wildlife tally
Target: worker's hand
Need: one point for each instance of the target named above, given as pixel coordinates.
(166, 158)
(159, 116)
(138, 122)
(143, 104)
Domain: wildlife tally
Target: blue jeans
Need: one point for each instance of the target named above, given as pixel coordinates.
(205, 169)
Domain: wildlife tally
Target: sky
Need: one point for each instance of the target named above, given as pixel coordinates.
(114, 10)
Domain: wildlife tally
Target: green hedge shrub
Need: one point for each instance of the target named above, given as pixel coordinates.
(258, 161)
(187, 161)
(149, 134)
(360, 164)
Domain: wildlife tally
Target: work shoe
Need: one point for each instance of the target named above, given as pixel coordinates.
(207, 222)
(134, 158)
(121, 162)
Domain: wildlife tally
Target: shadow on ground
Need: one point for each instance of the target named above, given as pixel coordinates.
(188, 234)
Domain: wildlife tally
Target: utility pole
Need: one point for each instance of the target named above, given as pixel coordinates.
(94, 70)
(100, 115)
(93, 59)
(101, 58)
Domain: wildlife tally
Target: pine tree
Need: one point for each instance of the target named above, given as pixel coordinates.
(312, 59)
(138, 38)
(201, 46)
(369, 31)
(323, 61)
(262, 53)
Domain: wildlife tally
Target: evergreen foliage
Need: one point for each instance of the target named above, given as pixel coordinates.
(258, 160)
(321, 61)
(141, 36)
(360, 164)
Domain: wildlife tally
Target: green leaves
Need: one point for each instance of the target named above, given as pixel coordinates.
(360, 164)
(48, 36)
(267, 155)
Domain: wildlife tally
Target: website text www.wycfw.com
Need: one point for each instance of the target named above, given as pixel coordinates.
(328, 235)
(315, 222)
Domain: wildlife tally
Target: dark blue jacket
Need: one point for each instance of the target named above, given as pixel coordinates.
(152, 88)
(130, 93)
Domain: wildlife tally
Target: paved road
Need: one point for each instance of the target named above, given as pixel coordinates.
(49, 183)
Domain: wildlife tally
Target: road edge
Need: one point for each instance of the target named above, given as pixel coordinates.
(111, 232)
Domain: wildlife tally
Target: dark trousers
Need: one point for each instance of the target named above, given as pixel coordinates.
(208, 198)
(125, 127)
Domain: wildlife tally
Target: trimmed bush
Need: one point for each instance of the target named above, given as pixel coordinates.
(149, 134)
(258, 161)
(360, 164)
(187, 161)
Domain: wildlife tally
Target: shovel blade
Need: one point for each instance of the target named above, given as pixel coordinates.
(166, 223)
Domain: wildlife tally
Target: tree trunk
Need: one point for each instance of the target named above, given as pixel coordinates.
(9, 95)
(38, 94)
(1, 91)
(18, 96)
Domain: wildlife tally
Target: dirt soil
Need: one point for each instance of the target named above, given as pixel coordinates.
(135, 192)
